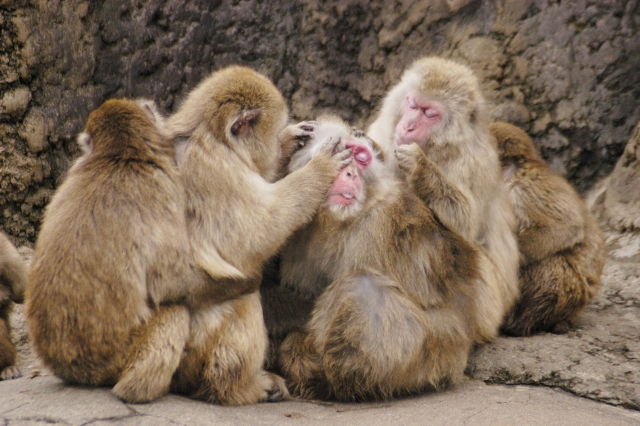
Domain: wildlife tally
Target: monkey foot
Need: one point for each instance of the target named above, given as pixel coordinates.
(10, 373)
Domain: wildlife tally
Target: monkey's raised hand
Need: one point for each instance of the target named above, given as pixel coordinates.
(411, 159)
(296, 136)
(336, 152)
(293, 138)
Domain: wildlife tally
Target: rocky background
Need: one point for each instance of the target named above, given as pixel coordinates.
(565, 71)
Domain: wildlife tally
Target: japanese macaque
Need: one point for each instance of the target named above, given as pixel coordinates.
(562, 248)
(13, 278)
(233, 119)
(433, 126)
(112, 274)
(395, 310)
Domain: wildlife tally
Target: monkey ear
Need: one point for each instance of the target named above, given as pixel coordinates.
(240, 126)
(84, 142)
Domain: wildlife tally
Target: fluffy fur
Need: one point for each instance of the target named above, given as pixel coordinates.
(112, 251)
(236, 214)
(395, 310)
(454, 169)
(13, 278)
(562, 247)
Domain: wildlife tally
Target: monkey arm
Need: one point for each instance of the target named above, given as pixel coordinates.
(213, 290)
(453, 206)
(293, 201)
(13, 271)
(539, 241)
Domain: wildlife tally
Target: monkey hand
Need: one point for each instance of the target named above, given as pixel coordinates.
(295, 136)
(410, 158)
(334, 150)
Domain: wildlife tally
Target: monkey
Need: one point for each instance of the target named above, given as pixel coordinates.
(433, 127)
(235, 207)
(561, 245)
(394, 290)
(112, 278)
(13, 278)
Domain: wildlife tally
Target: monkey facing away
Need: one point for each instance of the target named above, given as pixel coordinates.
(233, 119)
(562, 248)
(112, 273)
(13, 278)
(395, 309)
(433, 125)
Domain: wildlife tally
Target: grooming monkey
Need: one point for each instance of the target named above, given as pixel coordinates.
(13, 278)
(433, 125)
(233, 119)
(112, 273)
(562, 248)
(395, 309)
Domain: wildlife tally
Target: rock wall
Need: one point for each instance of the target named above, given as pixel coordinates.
(566, 71)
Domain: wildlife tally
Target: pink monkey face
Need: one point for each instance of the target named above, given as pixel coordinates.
(417, 120)
(347, 187)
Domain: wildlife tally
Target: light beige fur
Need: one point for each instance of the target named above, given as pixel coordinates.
(237, 215)
(113, 273)
(456, 172)
(13, 278)
(395, 309)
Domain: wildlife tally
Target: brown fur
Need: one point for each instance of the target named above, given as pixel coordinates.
(13, 278)
(562, 247)
(395, 312)
(112, 249)
(236, 215)
(456, 172)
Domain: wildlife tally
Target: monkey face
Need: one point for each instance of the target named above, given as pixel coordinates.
(347, 188)
(418, 119)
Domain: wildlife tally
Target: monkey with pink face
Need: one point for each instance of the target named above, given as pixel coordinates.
(394, 290)
(433, 126)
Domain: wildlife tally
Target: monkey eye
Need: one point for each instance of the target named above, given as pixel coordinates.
(411, 103)
(361, 154)
(431, 112)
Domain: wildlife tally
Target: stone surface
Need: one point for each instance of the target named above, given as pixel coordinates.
(45, 400)
(565, 71)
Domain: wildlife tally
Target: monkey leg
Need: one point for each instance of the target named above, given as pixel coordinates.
(491, 304)
(8, 369)
(302, 366)
(375, 342)
(155, 355)
(225, 356)
(553, 297)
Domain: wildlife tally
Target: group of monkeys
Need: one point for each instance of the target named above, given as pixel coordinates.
(219, 251)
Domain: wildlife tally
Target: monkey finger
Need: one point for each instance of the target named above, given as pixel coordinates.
(329, 144)
(344, 157)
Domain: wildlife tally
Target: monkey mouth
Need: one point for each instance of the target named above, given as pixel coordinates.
(343, 198)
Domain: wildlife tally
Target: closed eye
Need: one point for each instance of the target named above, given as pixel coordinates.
(431, 112)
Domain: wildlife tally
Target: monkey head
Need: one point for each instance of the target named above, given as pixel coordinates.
(513, 143)
(240, 108)
(350, 190)
(125, 128)
(434, 102)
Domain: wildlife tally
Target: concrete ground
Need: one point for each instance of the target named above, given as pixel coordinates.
(46, 400)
